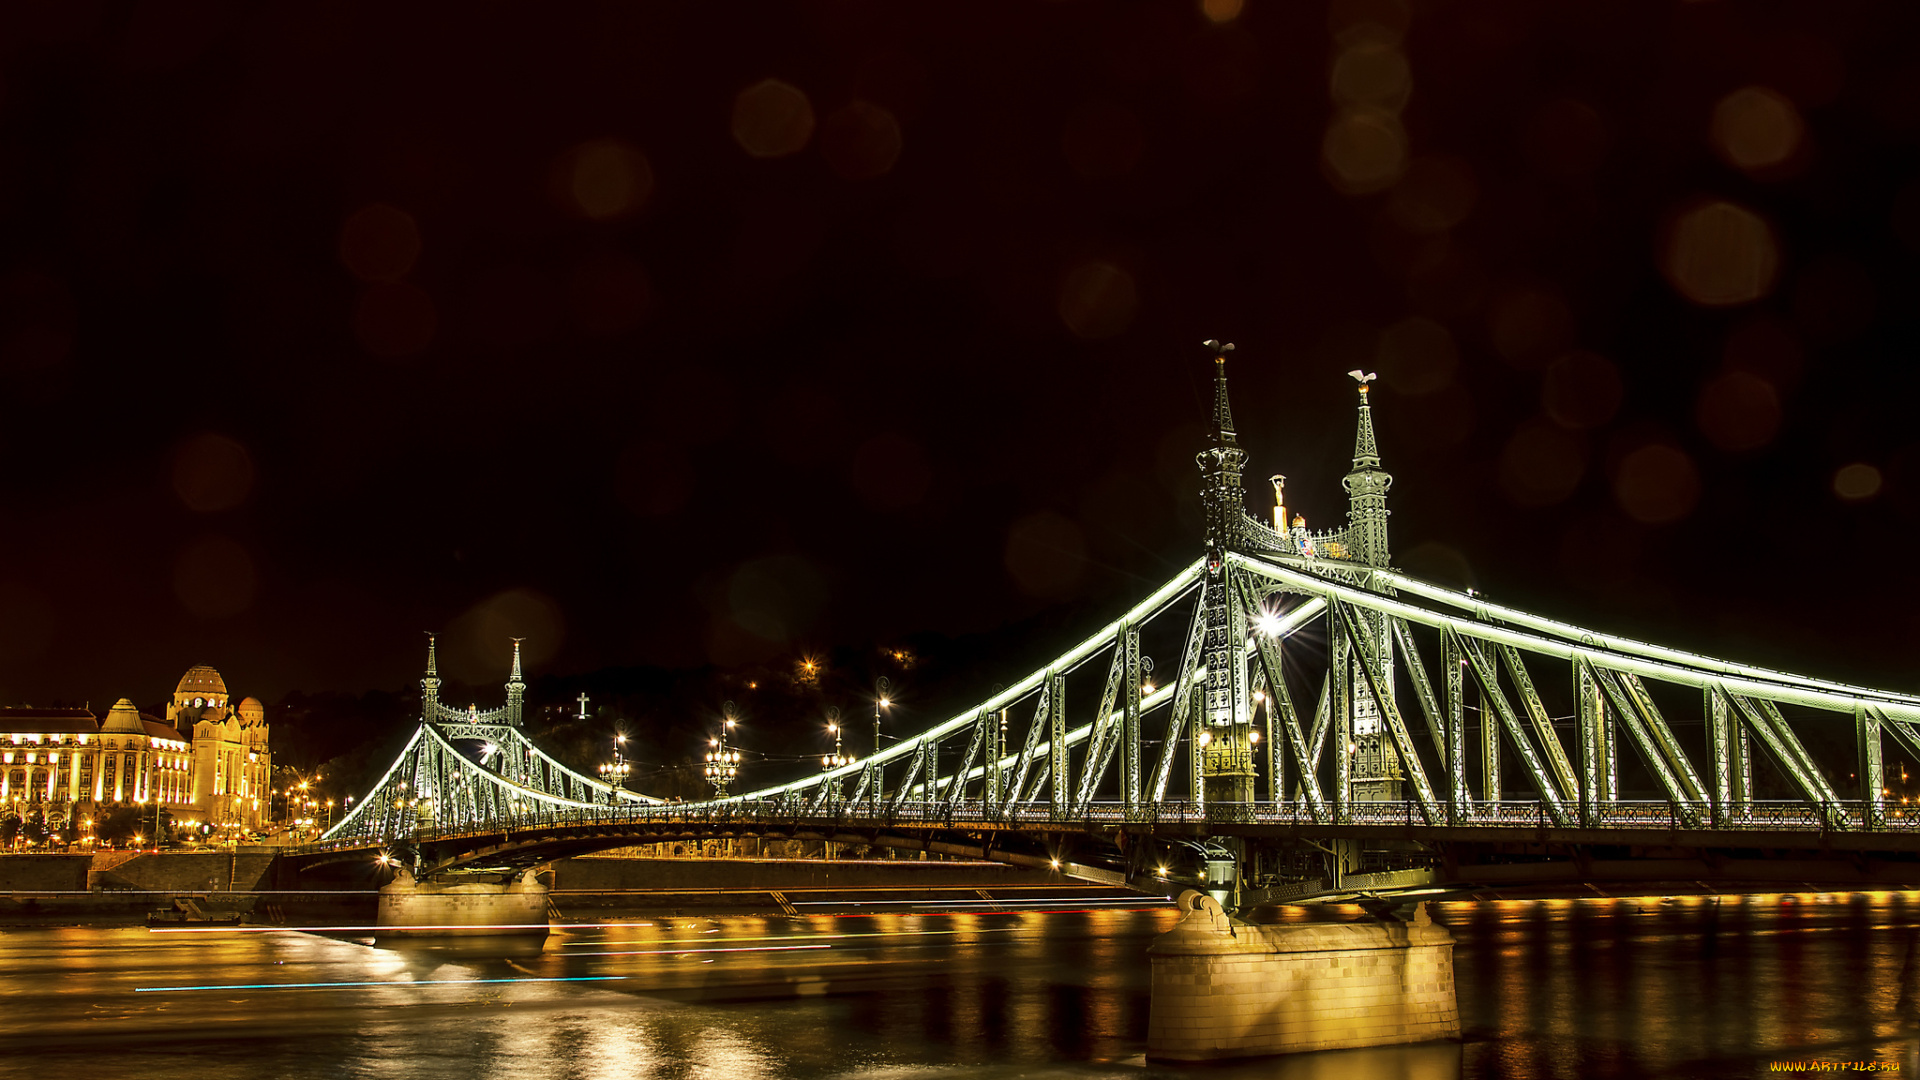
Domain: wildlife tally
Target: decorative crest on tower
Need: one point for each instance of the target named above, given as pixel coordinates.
(1222, 414)
(1367, 485)
(1366, 454)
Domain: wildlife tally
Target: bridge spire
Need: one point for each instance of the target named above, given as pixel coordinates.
(1221, 747)
(516, 688)
(1367, 485)
(1220, 464)
(430, 686)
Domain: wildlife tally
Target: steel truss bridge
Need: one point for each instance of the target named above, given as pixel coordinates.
(1331, 727)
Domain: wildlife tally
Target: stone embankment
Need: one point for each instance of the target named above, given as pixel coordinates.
(124, 885)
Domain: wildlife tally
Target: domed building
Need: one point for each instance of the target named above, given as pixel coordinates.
(201, 695)
(232, 767)
(207, 760)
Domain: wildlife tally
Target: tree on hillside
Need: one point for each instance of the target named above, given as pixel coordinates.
(119, 824)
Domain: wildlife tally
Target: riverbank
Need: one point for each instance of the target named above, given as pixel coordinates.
(121, 888)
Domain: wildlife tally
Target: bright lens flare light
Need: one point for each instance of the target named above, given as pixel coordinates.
(1268, 624)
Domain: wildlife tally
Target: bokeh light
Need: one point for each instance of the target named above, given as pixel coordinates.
(1364, 151)
(478, 648)
(1719, 254)
(379, 243)
(1529, 326)
(777, 597)
(1656, 484)
(605, 179)
(214, 577)
(1756, 129)
(395, 320)
(1097, 299)
(1541, 465)
(1221, 11)
(772, 119)
(1441, 420)
(860, 141)
(1046, 554)
(1856, 482)
(1435, 195)
(1371, 74)
(1417, 356)
(1581, 390)
(212, 472)
(1738, 411)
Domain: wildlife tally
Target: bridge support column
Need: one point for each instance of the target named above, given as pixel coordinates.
(421, 909)
(1223, 988)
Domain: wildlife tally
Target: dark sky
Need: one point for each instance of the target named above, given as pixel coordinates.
(676, 333)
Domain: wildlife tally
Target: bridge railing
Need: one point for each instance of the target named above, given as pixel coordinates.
(1771, 816)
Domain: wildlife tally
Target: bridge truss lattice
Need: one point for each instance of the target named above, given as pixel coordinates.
(1314, 691)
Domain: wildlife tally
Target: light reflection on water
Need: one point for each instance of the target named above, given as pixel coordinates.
(1664, 987)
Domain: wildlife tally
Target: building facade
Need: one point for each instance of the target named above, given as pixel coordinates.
(206, 760)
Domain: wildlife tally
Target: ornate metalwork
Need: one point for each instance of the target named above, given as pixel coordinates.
(1343, 769)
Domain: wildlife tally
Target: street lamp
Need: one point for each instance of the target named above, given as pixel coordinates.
(723, 764)
(614, 773)
(881, 688)
(836, 759)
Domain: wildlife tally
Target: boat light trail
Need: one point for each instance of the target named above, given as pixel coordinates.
(812, 937)
(690, 952)
(361, 985)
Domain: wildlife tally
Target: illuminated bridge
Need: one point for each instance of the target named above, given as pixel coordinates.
(1327, 726)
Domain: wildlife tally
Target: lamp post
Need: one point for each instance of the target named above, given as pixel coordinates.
(723, 764)
(832, 761)
(614, 773)
(882, 687)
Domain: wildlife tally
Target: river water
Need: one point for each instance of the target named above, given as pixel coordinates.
(1684, 987)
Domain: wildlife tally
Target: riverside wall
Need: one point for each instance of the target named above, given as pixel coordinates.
(1224, 989)
(122, 885)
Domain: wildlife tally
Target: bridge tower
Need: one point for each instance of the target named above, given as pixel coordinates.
(430, 687)
(1222, 744)
(516, 689)
(1377, 775)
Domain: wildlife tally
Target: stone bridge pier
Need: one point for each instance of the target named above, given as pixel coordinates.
(1223, 988)
(410, 908)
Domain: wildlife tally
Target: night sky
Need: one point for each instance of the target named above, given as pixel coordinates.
(697, 333)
